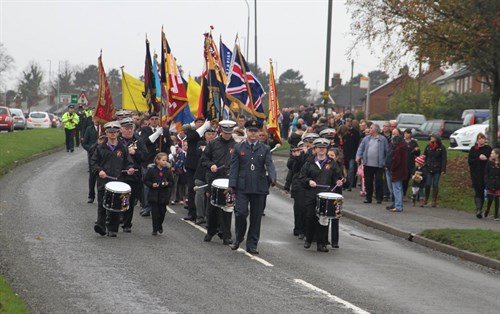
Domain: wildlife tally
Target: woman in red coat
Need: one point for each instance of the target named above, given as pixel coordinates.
(399, 171)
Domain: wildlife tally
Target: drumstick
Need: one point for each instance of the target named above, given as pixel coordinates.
(135, 169)
(196, 188)
(277, 145)
(322, 186)
(112, 178)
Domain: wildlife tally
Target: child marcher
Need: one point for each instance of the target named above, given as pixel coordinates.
(159, 179)
(418, 182)
(492, 181)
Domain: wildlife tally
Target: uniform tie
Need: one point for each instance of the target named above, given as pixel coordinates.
(252, 146)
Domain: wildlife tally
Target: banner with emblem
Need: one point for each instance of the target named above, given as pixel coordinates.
(274, 107)
(105, 109)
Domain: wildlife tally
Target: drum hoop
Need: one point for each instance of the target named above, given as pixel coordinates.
(215, 185)
(336, 196)
(126, 188)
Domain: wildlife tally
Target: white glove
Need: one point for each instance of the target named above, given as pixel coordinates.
(153, 137)
(201, 130)
(170, 157)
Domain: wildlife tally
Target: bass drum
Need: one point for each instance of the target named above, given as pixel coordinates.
(116, 196)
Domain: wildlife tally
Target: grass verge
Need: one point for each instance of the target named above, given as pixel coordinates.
(483, 242)
(9, 301)
(20, 146)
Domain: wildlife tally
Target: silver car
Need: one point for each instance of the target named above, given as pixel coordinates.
(19, 119)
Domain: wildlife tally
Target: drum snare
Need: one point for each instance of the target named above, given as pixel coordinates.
(329, 205)
(220, 195)
(116, 196)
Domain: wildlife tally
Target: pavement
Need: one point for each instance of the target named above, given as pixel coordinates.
(411, 222)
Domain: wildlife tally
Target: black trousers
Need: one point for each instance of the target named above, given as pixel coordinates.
(218, 220)
(136, 187)
(335, 231)
(248, 205)
(70, 139)
(78, 135)
(105, 217)
(314, 230)
(158, 211)
(92, 179)
(298, 215)
(190, 192)
(374, 174)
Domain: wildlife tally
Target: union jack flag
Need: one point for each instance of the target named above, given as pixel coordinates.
(243, 87)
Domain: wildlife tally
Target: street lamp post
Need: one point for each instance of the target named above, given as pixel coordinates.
(50, 79)
(326, 93)
(248, 29)
(255, 13)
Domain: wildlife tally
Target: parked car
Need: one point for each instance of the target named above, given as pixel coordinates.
(54, 120)
(463, 139)
(410, 120)
(6, 120)
(19, 119)
(442, 128)
(39, 119)
(475, 116)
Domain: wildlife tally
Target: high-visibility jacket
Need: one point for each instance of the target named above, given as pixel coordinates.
(70, 120)
(87, 112)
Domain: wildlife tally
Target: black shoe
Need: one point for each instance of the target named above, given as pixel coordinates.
(127, 229)
(154, 233)
(235, 245)
(160, 231)
(335, 246)
(322, 248)
(189, 218)
(111, 234)
(479, 214)
(296, 233)
(99, 230)
(91, 200)
(220, 235)
(307, 245)
(227, 241)
(379, 202)
(207, 238)
(186, 207)
(367, 201)
(349, 189)
(252, 251)
(72, 150)
(200, 221)
(486, 213)
(263, 214)
(146, 214)
(301, 236)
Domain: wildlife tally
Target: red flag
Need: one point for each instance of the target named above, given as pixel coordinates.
(274, 108)
(104, 109)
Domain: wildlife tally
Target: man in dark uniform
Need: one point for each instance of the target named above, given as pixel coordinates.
(108, 162)
(137, 151)
(193, 137)
(154, 136)
(89, 143)
(217, 159)
(200, 178)
(249, 181)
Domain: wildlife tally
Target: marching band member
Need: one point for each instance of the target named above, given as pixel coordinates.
(217, 159)
(107, 162)
(137, 151)
(248, 180)
(294, 164)
(317, 170)
(154, 136)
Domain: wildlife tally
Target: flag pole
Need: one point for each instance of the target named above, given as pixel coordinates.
(246, 80)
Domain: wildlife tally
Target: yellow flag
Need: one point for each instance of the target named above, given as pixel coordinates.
(274, 108)
(193, 94)
(132, 94)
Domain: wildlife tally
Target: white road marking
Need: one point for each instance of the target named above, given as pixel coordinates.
(346, 304)
(170, 210)
(258, 259)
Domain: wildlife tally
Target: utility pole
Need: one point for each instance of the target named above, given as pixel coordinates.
(419, 86)
(326, 93)
(255, 14)
(248, 30)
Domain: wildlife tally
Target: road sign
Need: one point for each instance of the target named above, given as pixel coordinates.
(68, 99)
(363, 82)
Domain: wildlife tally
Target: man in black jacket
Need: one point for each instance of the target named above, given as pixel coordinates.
(217, 159)
(108, 162)
(193, 137)
(89, 143)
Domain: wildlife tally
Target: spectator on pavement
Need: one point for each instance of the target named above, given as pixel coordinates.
(492, 181)
(435, 160)
(478, 158)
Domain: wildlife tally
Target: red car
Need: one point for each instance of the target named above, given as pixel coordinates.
(6, 120)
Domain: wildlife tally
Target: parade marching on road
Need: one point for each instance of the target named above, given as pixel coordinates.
(51, 255)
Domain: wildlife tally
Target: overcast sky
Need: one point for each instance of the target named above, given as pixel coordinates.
(292, 33)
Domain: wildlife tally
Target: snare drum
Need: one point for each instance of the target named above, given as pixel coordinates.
(329, 205)
(116, 196)
(219, 195)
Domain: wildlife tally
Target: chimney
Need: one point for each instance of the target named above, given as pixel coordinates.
(336, 80)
